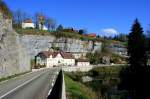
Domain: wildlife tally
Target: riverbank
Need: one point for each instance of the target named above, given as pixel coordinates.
(104, 83)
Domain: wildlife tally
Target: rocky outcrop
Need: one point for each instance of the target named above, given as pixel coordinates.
(13, 56)
(37, 43)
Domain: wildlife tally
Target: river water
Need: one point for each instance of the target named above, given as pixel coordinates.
(106, 87)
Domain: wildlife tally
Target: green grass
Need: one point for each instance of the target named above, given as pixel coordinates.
(66, 35)
(56, 34)
(13, 76)
(76, 90)
(32, 32)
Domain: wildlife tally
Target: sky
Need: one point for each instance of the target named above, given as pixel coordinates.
(104, 17)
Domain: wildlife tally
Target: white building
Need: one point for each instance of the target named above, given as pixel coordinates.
(28, 24)
(51, 59)
(82, 62)
(43, 28)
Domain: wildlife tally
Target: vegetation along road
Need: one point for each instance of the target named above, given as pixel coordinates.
(35, 85)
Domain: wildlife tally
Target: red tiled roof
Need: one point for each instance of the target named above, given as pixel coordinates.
(91, 35)
(67, 55)
(46, 53)
(28, 21)
(54, 54)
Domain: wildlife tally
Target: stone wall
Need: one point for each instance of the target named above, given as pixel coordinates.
(37, 43)
(13, 57)
(78, 68)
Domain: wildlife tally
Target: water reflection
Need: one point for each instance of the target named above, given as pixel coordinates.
(106, 87)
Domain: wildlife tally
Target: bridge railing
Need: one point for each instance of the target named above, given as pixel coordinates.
(58, 91)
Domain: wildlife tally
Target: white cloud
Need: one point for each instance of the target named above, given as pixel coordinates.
(108, 32)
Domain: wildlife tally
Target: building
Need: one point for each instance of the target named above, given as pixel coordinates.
(51, 59)
(28, 24)
(93, 35)
(82, 62)
(42, 27)
(41, 19)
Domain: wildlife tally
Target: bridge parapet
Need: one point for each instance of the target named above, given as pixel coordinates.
(58, 90)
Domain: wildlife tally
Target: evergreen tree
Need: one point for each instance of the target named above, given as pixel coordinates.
(81, 31)
(135, 78)
(60, 28)
(148, 40)
(136, 46)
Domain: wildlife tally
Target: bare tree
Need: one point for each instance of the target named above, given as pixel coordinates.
(36, 20)
(50, 23)
(41, 21)
(18, 17)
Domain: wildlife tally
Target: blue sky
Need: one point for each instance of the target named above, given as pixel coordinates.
(96, 16)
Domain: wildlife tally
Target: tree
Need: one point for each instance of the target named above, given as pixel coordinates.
(94, 58)
(148, 40)
(18, 17)
(5, 10)
(41, 20)
(98, 36)
(50, 23)
(60, 28)
(121, 37)
(136, 45)
(81, 31)
(135, 78)
(36, 20)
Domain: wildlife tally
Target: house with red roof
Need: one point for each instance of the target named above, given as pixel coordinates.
(93, 35)
(28, 24)
(51, 59)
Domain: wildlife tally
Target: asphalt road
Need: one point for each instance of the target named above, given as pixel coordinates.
(35, 85)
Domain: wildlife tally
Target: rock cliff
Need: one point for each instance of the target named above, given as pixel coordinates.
(37, 43)
(13, 56)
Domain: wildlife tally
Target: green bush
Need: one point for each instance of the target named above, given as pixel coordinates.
(94, 58)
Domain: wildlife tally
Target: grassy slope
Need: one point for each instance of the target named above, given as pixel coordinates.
(57, 34)
(76, 90)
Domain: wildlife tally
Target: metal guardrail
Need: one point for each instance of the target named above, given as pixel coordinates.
(58, 91)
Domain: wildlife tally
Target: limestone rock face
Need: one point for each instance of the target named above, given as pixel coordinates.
(13, 56)
(37, 43)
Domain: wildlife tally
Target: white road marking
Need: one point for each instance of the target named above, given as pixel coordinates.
(49, 92)
(25, 83)
(52, 84)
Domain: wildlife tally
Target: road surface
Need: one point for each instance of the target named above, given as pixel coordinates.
(35, 85)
